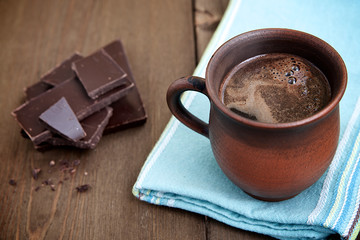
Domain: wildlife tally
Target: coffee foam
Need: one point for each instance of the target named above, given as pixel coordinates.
(275, 88)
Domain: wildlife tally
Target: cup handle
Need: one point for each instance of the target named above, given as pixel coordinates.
(177, 108)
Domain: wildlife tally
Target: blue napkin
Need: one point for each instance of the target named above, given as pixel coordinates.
(181, 171)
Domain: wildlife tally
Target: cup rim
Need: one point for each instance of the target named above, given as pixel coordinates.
(213, 95)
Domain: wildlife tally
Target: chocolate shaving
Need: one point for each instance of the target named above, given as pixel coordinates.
(98, 73)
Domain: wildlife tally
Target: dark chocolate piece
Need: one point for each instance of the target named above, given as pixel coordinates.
(36, 89)
(93, 125)
(28, 114)
(128, 111)
(61, 72)
(98, 73)
(61, 119)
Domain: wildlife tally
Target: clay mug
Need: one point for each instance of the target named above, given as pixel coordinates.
(270, 162)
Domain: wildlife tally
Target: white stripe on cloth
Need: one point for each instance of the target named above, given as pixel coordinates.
(334, 164)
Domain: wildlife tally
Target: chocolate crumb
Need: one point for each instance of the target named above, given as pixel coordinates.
(12, 182)
(35, 173)
(65, 163)
(60, 182)
(37, 188)
(83, 188)
(47, 182)
(76, 162)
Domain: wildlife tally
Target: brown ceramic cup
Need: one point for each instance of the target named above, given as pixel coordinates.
(270, 162)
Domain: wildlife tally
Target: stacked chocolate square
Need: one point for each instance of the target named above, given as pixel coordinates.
(80, 99)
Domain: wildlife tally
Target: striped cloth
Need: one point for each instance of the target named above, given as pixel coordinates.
(338, 205)
(182, 172)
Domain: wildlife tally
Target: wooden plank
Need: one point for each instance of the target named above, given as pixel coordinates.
(159, 39)
(35, 35)
(207, 16)
(217, 230)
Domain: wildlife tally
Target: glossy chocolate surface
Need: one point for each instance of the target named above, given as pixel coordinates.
(129, 111)
(93, 126)
(98, 73)
(28, 114)
(61, 72)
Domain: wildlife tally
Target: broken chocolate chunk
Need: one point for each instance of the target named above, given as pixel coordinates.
(36, 89)
(101, 91)
(93, 126)
(129, 111)
(98, 73)
(61, 119)
(28, 114)
(61, 72)
(83, 188)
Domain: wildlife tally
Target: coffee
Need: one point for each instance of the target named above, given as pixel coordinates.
(275, 88)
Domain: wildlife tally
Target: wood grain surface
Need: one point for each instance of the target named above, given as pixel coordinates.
(163, 40)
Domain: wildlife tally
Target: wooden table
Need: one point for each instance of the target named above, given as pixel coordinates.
(164, 41)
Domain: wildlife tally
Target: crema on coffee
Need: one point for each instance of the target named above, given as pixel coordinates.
(275, 88)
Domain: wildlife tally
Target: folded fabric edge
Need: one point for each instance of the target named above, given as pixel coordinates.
(337, 186)
(280, 231)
